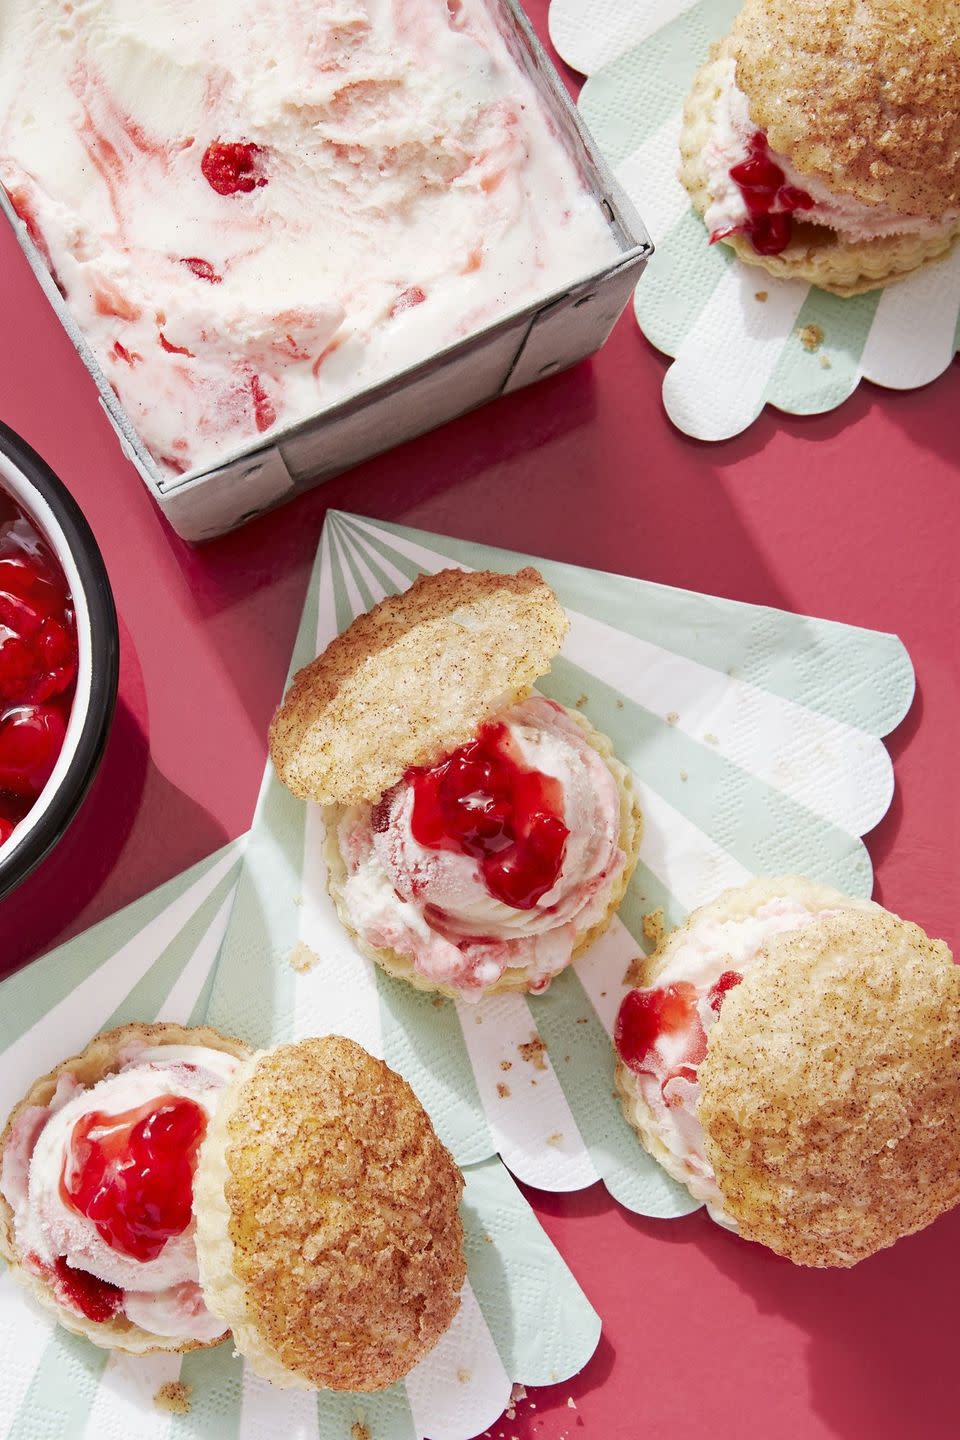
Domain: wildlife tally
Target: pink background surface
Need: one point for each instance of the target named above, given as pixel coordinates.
(854, 516)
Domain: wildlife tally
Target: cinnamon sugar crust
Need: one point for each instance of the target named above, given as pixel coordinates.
(863, 94)
(413, 679)
(103, 1056)
(830, 1092)
(328, 1227)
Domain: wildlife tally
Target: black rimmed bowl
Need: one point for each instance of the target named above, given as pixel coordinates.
(51, 509)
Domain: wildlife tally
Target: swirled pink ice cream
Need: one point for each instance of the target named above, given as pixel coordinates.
(88, 1213)
(257, 210)
(499, 857)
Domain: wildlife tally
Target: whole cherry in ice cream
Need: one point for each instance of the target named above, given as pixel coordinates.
(232, 167)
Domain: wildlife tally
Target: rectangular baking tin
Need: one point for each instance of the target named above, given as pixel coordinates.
(536, 341)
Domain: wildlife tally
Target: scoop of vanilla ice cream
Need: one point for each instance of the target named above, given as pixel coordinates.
(47, 1227)
(853, 221)
(435, 905)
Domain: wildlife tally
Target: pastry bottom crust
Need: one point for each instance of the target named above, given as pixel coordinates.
(102, 1057)
(514, 978)
(815, 254)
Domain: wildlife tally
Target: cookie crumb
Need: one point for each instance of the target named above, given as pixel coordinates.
(672, 717)
(811, 337)
(503, 1091)
(174, 1396)
(825, 362)
(619, 704)
(711, 739)
(488, 1239)
(519, 1392)
(581, 701)
(506, 1064)
(463, 1376)
(571, 1403)
(555, 1139)
(302, 958)
(653, 927)
(582, 1019)
(534, 1052)
(438, 1002)
(761, 295)
(478, 1019)
(633, 975)
(684, 776)
(359, 1431)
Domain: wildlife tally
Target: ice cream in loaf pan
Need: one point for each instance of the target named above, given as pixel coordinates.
(257, 211)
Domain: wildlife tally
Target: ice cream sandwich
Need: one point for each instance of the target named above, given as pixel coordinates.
(821, 141)
(792, 1056)
(479, 836)
(167, 1187)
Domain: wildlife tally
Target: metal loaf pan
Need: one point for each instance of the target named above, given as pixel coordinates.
(526, 345)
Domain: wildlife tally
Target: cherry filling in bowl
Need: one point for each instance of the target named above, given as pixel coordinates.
(38, 664)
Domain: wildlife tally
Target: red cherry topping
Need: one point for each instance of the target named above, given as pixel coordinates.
(38, 664)
(718, 990)
(202, 269)
(96, 1299)
(132, 1174)
(647, 1015)
(770, 201)
(483, 801)
(31, 738)
(232, 167)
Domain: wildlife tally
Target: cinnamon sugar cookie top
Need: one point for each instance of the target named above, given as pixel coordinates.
(863, 94)
(413, 679)
(830, 1092)
(327, 1219)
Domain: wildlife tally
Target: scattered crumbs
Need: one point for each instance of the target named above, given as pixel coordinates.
(825, 362)
(811, 337)
(672, 717)
(506, 1064)
(359, 1431)
(710, 738)
(603, 994)
(556, 1139)
(633, 975)
(437, 1002)
(582, 1019)
(619, 704)
(534, 1051)
(302, 958)
(533, 1082)
(684, 776)
(519, 1392)
(174, 1396)
(503, 1091)
(581, 701)
(463, 1376)
(571, 1403)
(653, 926)
(478, 1019)
(761, 295)
(488, 1239)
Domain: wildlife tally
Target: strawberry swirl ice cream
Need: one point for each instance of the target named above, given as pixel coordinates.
(662, 1031)
(100, 1182)
(502, 855)
(257, 210)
